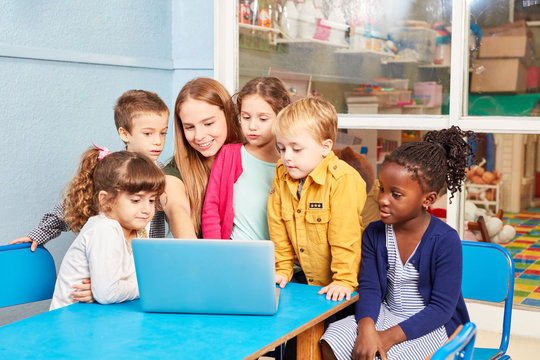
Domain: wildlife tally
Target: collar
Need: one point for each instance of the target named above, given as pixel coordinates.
(317, 175)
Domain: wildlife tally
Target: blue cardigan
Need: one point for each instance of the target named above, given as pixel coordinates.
(438, 260)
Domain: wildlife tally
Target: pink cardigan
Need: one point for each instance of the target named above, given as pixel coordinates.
(217, 212)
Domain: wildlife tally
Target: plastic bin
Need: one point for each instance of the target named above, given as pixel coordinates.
(415, 43)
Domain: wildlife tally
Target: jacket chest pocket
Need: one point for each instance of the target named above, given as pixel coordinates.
(317, 225)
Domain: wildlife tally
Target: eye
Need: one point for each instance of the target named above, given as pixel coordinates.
(381, 188)
(209, 123)
(152, 200)
(297, 149)
(263, 118)
(188, 127)
(246, 117)
(280, 148)
(147, 133)
(396, 195)
(163, 133)
(135, 200)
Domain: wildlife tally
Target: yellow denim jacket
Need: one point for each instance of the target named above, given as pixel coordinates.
(323, 227)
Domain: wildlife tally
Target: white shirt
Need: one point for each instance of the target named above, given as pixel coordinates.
(100, 252)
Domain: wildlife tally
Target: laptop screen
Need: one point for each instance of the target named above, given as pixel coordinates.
(206, 276)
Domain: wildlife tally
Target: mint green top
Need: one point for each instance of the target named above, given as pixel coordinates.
(251, 197)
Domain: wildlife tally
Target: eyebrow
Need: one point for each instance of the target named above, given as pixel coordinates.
(201, 120)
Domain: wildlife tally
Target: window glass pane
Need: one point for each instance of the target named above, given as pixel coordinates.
(503, 42)
(364, 56)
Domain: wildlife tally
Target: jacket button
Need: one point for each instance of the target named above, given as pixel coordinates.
(318, 219)
(301, 250)
(310, 280)
(299, 211)
(335, 167)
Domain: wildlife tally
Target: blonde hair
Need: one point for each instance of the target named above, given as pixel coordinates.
(191, 164)
(312, 114)
(119, 171)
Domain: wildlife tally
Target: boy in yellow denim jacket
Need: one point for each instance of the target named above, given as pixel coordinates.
(315, 202)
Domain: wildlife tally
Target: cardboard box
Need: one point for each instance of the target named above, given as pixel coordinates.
(298, 84)
(508, 40)
(499, 75)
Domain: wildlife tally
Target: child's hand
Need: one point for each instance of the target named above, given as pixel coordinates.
(281, 280)
(25, 239)
(368, 343)
(336, 292)
(83, 292)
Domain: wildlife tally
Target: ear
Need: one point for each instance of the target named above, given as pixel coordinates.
(102, 195)
(123, 134)
(429, 199)
(327, 145)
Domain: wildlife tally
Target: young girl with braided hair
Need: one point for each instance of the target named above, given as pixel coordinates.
(410, 298)
(109, 202)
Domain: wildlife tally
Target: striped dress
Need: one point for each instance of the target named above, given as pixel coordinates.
(401, 302)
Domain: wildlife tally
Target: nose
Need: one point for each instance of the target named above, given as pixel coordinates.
(286, 155)
(383, 198)
(157, 139)
(148, 206)
(199, 133)
(252, 125)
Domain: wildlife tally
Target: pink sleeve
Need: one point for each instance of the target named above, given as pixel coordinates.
(211, 220)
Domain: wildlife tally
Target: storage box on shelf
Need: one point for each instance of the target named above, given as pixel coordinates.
(499, 75)
(415, 43)
(504, 57)
(298, 84)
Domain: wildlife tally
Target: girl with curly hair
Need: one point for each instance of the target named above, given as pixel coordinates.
(110, 201)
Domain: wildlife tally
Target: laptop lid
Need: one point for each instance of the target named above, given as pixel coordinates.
(206, 276)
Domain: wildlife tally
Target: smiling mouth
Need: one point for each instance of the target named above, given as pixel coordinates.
(205, 145)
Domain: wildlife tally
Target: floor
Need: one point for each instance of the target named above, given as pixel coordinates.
(519, 348)
(525, 250)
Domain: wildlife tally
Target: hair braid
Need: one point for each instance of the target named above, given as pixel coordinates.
(441, 157)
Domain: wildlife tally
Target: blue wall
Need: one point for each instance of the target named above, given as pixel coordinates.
(64, 64)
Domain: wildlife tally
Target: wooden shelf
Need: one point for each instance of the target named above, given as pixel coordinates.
(310, 42)
(365, 52)
(248, 28)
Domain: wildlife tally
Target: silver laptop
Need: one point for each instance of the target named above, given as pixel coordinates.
(206, 276)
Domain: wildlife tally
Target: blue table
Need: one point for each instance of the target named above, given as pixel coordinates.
(94, 331)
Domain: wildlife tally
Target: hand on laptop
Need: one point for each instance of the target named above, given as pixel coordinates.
(281, 280)
(336, 292)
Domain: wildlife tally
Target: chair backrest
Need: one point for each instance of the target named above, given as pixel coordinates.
(25, 276)
(460, 347)
(488, 275)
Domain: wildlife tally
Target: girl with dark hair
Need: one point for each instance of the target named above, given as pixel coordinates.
(410, 299)
(247, 168)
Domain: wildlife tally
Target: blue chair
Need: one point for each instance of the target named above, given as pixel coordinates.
(25, 276)
(460, 347)
(488, 275)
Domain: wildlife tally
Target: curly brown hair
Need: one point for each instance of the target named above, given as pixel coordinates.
(442, 156)
(119, 171)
